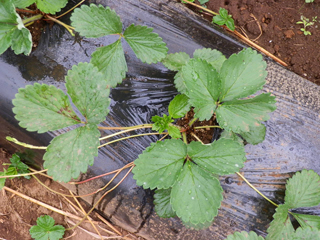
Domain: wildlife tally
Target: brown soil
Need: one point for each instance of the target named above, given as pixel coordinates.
(272, 25)
(204, 134)
(17, 215)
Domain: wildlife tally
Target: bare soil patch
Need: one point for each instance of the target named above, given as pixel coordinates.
(272, 24)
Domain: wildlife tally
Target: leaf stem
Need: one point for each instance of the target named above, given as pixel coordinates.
(24, 174)
(199, 127)
(192, 121)
(124, 128)
(102, 175)
(203, 8)
(32, 19)
(69, 28)
(11, 139)
(261, 194)
(133, 136)
(184, 137)
(128, 130)
(25, 11)
(70, 9)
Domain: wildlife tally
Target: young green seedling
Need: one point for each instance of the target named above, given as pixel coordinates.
(306, 23)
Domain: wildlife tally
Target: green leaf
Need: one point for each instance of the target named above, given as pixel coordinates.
(222, 157)
(18, 165)
(111, 62)
(175, 61)
(159, 165)
(49, 6)
(11, 171)
(96, 21)
(179, 106)
(307, 220)
(281, 227)
(161, 123)
(241, 115)
(231, 135)
(89, 92)
(147, 45)
(203, 84)
(6, 31)
(306, 234)
(7, 12)
(255, 135)
(23, 3)
(303, 189)
(174, 131)
(214, 57)
(12, 30)
(179, 83)
(43, 108)
(21, 41)
(46, 230)
(162, 204)
(70, 153)
(196, 195)
(244, 236)
(224, 19)
(242, 74)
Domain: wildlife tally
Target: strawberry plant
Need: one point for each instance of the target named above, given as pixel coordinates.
(302, 190)
(184, 174)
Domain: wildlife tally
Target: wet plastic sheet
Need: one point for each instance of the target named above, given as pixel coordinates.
(292, 140)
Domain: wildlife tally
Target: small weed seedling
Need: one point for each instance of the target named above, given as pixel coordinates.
(15, 168)
(306, 23)
(184, 174)
(224, 19)
(46, 230)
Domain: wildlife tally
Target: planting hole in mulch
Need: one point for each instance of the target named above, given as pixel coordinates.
(206, 135)
(272, 24)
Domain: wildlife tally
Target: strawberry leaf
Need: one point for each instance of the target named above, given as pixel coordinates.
(179, 106)
(196, 195)
(221, 157)
(23, 3)
(43, 108)
(241, 75)
(12, 31)
(160, 164)
(175, 61)
(303, 190)
(239, 115)
(111, 62)
(212, 56)
(307, 220)
(89, 92)
(281, 227)
(244, 236)
(202, 83)
(147, 45)
(49, 6)
(162, 203)
(70, 153)
(96, 21)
